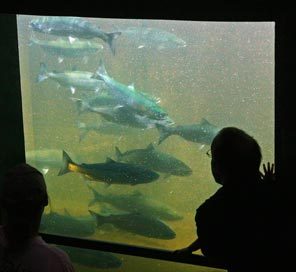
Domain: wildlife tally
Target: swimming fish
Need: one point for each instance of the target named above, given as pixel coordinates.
(136, 223)
(203, 133)
(72, 27)
(110, 172)
(154, 159)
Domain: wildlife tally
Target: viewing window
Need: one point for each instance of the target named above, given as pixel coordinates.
(119, 115)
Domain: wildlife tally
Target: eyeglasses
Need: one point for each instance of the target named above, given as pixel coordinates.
(209, 153)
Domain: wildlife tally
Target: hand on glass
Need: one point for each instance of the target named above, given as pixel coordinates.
(269, 172)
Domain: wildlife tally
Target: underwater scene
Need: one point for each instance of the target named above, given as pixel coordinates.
(119, 115)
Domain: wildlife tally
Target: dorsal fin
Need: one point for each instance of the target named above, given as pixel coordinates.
(131, 87)
(150, 147)
(204, 121)
(109, 160)
(67, 212)
(118, 153)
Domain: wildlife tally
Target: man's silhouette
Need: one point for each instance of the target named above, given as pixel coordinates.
(235, 226)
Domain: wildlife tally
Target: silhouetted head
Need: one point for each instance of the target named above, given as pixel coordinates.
(236, 157)
(23, 198)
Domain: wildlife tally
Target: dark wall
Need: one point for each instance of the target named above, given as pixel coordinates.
(11, 136)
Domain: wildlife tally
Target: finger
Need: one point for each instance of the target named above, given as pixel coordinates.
(264, 168)
(272, 168)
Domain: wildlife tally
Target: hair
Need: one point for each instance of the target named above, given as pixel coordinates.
(24, 184)
(23, 198)
(236, 152)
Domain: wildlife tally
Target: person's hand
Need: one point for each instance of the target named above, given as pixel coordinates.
(182, 251)
(269, 173)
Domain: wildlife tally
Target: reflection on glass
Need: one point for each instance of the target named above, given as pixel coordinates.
(93, 260)
(119, 115)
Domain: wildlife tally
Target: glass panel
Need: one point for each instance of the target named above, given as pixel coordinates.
(85, 260)
(97, 95)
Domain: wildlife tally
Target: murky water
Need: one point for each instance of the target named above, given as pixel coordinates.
(224, 74)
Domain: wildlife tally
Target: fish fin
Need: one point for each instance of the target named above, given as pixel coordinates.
(118, 107)
(44, 171)
(71, 39)
(109, 160)
(164, 132)
(150, 147)
(60, 59)
(101, 71)
(72, 90)
(99, 218)
(131, 87)
(66, 160)
(202, 147)
(118, 153)
(204, 121)
(81, 105)
(67, 212)
(110, 40)
(97, 197)
(42, 73)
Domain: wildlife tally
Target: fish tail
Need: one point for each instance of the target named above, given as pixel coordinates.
(110, 40)
(65, 164)
(42, 73)
(118, 153)
(164, 132)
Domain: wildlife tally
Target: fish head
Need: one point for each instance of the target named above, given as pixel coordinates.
(167, 233)
(180, 42)
(36, 25)
(169, 214)
(184, 171)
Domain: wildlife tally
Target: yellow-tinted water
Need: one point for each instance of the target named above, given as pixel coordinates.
(225, 74)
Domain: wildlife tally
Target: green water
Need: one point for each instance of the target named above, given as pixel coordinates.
(225, 74)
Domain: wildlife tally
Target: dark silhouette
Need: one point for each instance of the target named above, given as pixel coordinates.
(23, 198)
(236, 226)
